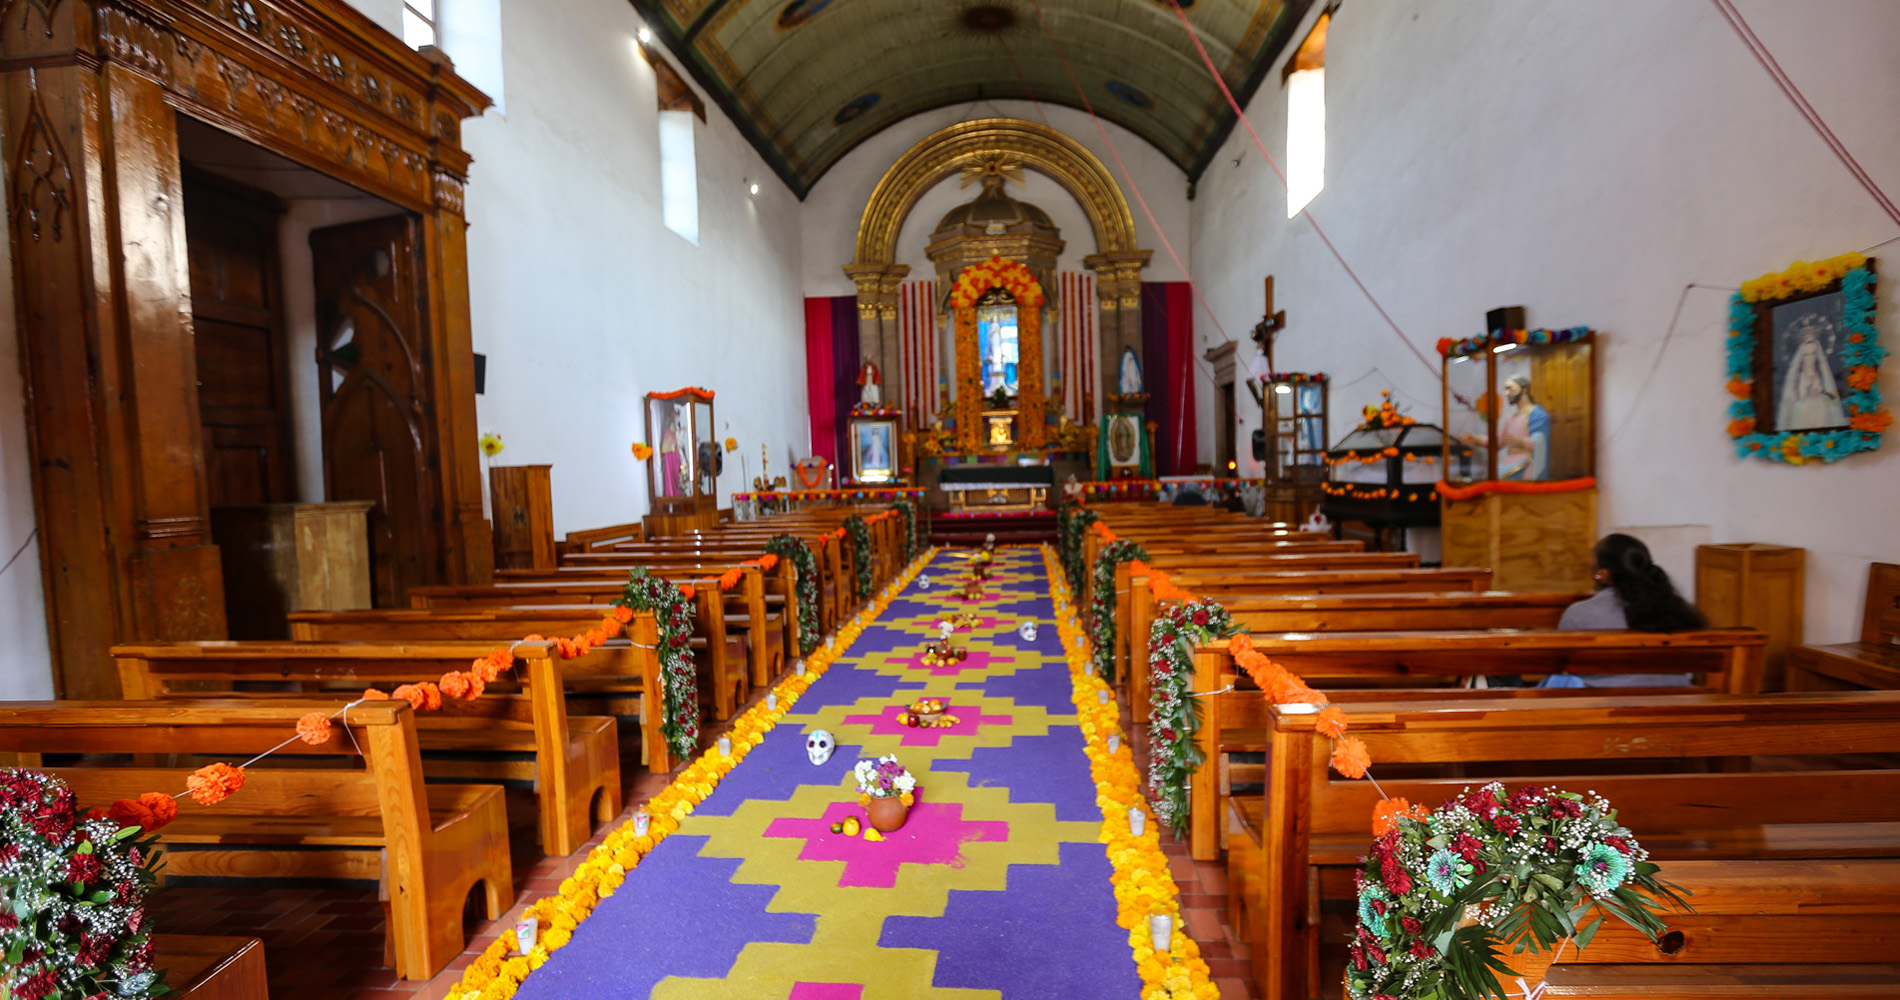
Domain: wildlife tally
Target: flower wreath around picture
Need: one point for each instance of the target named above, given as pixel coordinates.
(1493, 884)
(1102, 601)
(1810, 331)
(860, 534)
(788, 547)
(72, 892)
(1174, 714)
(679, 682)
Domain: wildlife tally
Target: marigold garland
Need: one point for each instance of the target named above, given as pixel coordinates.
(679, 682)
(498, 972)
(997, 272)
(1071, 521)
(1868, 419)
(860, 533)
(1144, 884)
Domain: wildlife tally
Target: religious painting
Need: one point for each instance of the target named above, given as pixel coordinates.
(673, 447)
(1809, 372)
(1124, 440)
(998, 346)
(1803, 363)
(874, 451)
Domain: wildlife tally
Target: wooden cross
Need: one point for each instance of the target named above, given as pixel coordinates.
(1271, 322)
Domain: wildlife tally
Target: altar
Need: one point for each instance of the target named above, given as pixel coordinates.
(997, 488)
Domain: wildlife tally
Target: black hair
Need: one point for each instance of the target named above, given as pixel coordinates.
(1650, 601)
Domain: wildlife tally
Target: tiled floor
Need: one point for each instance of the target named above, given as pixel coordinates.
(327, 944)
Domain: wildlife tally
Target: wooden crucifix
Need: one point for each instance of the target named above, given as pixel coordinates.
(1271, 323)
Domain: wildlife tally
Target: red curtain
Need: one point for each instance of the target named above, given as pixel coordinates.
(831, 366)
(1167, 327)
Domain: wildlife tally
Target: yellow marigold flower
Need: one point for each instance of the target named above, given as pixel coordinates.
(556, 937)
(515, 969)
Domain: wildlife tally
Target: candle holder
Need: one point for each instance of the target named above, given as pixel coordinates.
(725, 746)
(1101, 696)
(1161, 932)
(641, 821)
(526, 930)
(1114, 742)
(1137, 820)
(771, 701)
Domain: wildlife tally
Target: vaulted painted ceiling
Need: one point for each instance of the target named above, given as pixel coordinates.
(807, 80)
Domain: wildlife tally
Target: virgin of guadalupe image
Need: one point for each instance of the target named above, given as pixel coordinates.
(1808, 397)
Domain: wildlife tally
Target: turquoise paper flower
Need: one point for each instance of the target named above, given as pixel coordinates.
(1603, 869)
(1445, 872)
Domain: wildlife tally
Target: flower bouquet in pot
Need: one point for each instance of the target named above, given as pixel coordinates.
(886, 791)
(1492, 887)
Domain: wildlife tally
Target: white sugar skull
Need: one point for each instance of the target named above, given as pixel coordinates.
(1027, 630)
(944, 629)
(923, 581)
(820, 745)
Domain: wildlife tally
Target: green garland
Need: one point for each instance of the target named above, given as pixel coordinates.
(678, 680)
(1102, 601)
(860, 534)
(1173, 714)
(791, 549)
(909, 510)
(1073, 519)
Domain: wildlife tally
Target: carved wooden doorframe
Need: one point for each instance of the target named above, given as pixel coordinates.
(102, 292)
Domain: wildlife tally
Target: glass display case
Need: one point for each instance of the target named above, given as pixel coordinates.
(1384, 474)
(1294, 407)
(685, 460)
(1520, 406)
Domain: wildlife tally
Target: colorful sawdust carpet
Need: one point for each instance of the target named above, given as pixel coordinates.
(996, 887)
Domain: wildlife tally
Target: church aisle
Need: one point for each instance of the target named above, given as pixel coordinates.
(996, 886)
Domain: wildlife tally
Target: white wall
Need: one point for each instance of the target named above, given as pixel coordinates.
(1587, 161)
(583, 300)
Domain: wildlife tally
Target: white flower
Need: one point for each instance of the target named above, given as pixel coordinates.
(905, 782)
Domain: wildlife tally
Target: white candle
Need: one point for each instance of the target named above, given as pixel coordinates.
(525, 930)
(640, 821)
(1161, 930)
(1137, 820)
(725, 746)
(1114, 742)
(798, 667)
(1101, 696)
(771, 701)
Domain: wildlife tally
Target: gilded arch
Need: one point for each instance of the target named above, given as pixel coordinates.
(1117, 261)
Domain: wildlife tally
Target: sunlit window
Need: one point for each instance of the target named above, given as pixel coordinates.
(418, 23)
(679, 175)
(1306, 120)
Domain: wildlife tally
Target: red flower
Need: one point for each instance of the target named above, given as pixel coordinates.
(1376, 953)
(8, 921)
(1508, 824)
(1482, 802)
(1565, 809)
(1423, 950)
(1411, 925)
(36, 986)
(1466, 846)
(1200, 618)
(1396, 877)
(1358, 956)
(1525, 797)
(1550, 844)
(83, 868)
(1620, 844)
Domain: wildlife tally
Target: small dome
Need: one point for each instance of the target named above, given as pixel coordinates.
(992, 208)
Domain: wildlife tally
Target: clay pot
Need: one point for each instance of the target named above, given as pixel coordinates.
(887, 814)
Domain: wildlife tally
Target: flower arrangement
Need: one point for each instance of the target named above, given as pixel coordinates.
(1102, 599)
(1174, 717)
(491, 444)
(1441, 892)
(860, 533)
(908, 511)
(1071, 521)
(1144, 883)
(1868, 418)
(884, 778)
(1385, 413)
(789, 547)
(497, 973)
(642, 451)
(997, 272)
(679, 682)
(74, 887)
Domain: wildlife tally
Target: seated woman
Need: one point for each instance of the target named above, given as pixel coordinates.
(1634, 593)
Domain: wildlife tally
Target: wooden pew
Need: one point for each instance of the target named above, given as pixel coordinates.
(575, 767)
(1296, 845)
(1728, 660)
(425, 845)
(595, 539)
(200, 967)
(1871, 663)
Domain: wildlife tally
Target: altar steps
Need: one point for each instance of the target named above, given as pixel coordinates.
(1009, 529)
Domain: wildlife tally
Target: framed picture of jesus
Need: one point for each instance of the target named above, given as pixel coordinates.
(874, 450)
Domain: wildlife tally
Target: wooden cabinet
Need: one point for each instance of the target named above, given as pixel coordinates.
(1529, 541)
(1756, 586)
(521, 501)
(284, 557)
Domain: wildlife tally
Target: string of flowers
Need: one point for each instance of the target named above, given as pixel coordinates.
(72, 892)
(1071, 521)
(498, 972)
(860, 534)
(1174, 713)
(806, 567)
(1472, 345)
(1144, 884)
(908, 511)
(1867, 417)
(1102, 598)
(679, 682)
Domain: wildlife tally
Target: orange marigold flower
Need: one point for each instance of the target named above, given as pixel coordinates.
(1351, 758)
(213, 783)
(768, 561)
(164, 808)
(1861, 377)
(1239, 643)
(1740, 389)
(687, 588)
(1386, 815)
(1331, 723)
(371, 694)
(130, 812)
(623, 614)
(412, 694)
(1741, 426)
(454, 684)
(313, 728)
(1873, 423)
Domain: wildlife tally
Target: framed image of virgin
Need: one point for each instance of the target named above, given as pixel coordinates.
(1803, 363)
(874, 450)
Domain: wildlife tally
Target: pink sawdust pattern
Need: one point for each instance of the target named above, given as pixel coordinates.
(827, 991)
(976, 660)
(885, 723)
(933, 835)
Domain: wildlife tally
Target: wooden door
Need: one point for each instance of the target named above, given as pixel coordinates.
(378, 411)
(237, 319)
(1226, 455)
